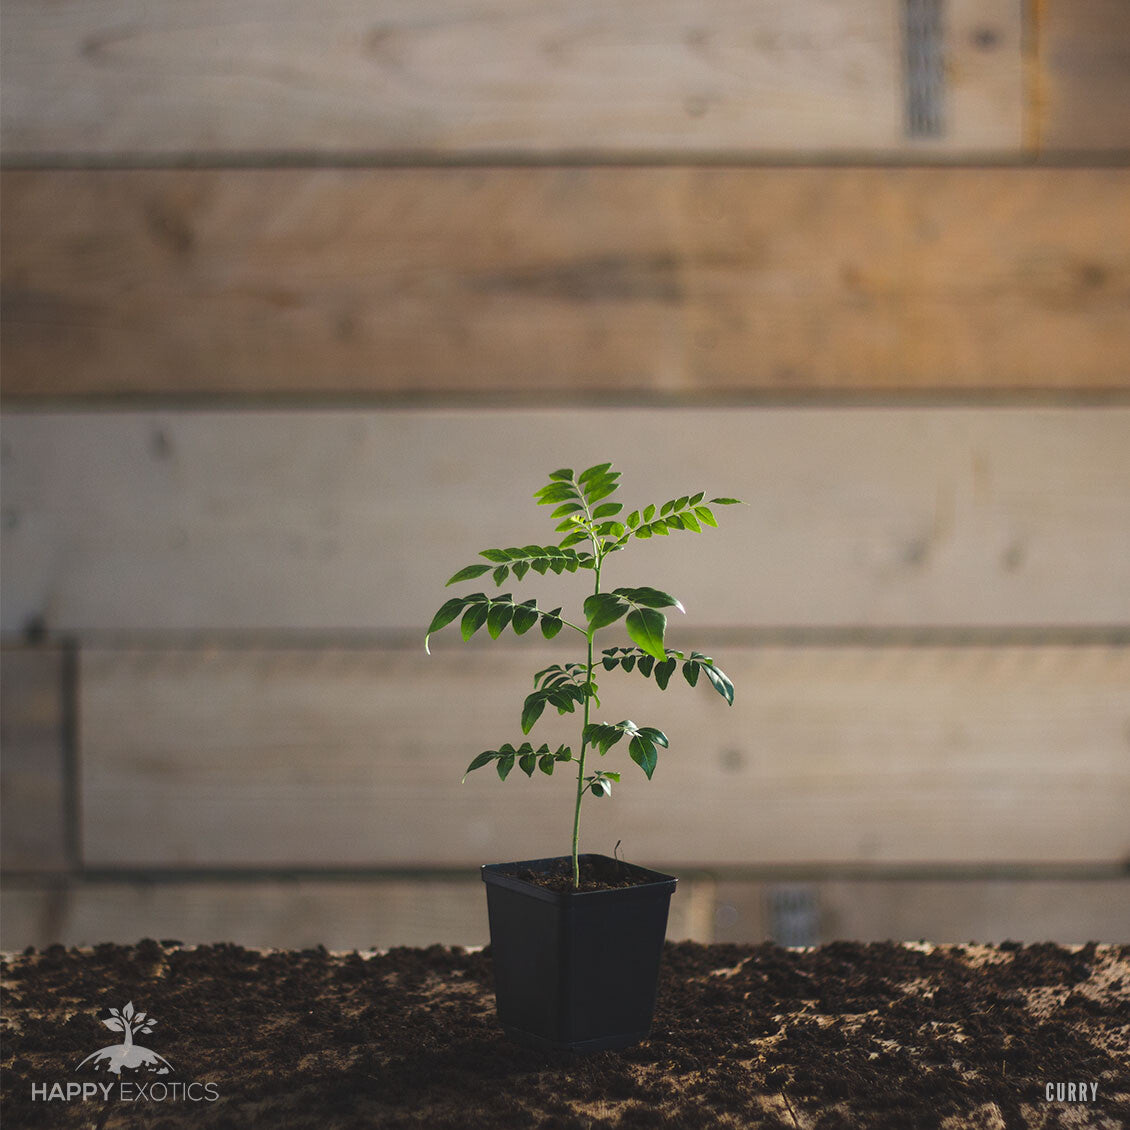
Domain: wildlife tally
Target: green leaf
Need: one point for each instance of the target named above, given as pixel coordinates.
(498, 617)
(690, 672)
(663, 673)
(563, 753)
(556, 492)
(726, 502)
(659, 526)
(593, 472)
(566, 508)
(666, 508)
(525, 617)
(564, 473)
(707, 515)
(646, 627)
(520, 568)
(721, 683)
(601, 490)
(473, 620)
(551, 623)
(610, 775)
(501, 572)
(646, 662)
(498, 556)
(468, 573)
(600, 788)
(642, 752)
(546, 763)
(690, 522)
(694, 499)
(604, 608)
(528, 763)
(532, 711)
(572, 539)
(607, 509)
(649, 513)
(643, 532)
(656, 737)
(484, 758)
(633, 519)
(674, 522)
(447, 612)
(505, 764)
(650, 597)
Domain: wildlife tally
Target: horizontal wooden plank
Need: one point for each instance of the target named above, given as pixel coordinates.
(895, 755)
(1084, 78)
(461, 77)
(341, 914)
(346, 520)
(563, 282)
(938, 910)
(345, 914)
(34, 832)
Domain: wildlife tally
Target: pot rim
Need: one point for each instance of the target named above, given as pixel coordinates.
(500, 875)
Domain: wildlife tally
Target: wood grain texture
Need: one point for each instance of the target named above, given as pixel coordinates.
(34, 833)
(564, 282)
(350, 520)
(458, 77)
(378, 913)
(1084, 76)
(341, 914)
(949, 910)
(844, 754)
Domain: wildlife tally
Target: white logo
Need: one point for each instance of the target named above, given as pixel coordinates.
(133, 1057)
(133, 1068)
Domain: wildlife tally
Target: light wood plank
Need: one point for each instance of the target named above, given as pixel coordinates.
(564, 282)
(842, 754)
(347, 520)
(490, 76)
(341, 914)
(33, 768)
(939, 910)
(1083, 93)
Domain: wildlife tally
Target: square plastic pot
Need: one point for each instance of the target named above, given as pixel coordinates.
(576, 970)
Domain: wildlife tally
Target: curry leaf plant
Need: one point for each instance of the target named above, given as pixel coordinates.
(585, 515)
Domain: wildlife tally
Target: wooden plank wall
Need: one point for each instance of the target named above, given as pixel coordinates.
(297, 310)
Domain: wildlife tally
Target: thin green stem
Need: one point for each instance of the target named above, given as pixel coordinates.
(581, 761)
(598, 560)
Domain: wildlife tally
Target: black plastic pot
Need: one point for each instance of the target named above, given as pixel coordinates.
(576, 970)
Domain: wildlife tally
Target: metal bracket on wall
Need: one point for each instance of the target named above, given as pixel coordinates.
(794, 914)
(923, 67)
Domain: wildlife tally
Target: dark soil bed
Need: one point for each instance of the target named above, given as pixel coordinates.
(846, 1035)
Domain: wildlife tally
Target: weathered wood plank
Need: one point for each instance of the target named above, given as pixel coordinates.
(939, 910)
(563, 282)
(1083, 96)
(844, 754)
(345, 914)
(341, 914)
(354, 519)
(462, 77)
(34, 834)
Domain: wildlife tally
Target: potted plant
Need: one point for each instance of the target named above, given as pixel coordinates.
(577, 939)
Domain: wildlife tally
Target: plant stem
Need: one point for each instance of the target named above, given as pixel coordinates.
(585, 724)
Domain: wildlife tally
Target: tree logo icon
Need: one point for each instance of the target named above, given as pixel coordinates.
(133, 1057)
